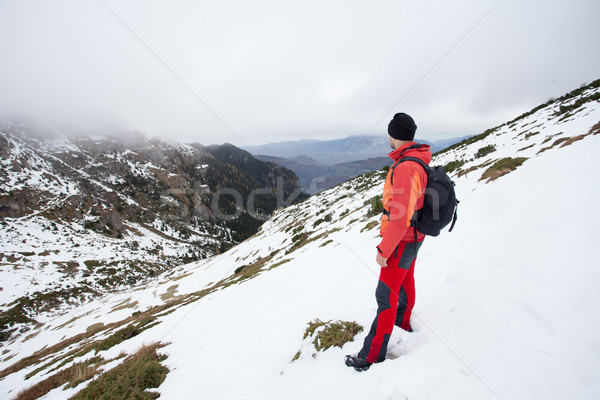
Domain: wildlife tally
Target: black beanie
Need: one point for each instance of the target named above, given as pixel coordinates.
(402, 127)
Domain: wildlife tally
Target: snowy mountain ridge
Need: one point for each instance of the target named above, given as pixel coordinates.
(80, 216)
(506, 303)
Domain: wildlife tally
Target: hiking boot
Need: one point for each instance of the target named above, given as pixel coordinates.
(357, 362)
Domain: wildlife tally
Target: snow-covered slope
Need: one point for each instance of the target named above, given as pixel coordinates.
(81, 216)
(506, 303)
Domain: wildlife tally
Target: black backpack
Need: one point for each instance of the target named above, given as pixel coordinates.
(440, 206)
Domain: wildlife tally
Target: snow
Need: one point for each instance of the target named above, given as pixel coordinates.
(506, 303)
(505, 308)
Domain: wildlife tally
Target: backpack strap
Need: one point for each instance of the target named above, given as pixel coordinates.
(426, 168)
(402, 159)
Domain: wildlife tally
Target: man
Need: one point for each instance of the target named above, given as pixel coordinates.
(403, 194)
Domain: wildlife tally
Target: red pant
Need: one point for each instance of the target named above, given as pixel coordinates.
(395, 296)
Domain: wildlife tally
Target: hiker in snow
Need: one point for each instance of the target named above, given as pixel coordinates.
(397, 252)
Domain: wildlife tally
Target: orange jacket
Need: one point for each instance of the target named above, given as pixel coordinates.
(403, 198)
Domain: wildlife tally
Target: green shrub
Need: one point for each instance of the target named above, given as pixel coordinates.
(72, 376)
(333, 334)
(296, 238)
(484, 151)
(376, 206)
(453, 165)
(327, 218)
(502, 167)
(130, 379)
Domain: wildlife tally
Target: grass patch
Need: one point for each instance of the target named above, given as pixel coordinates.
(306, 240)
(474, 168)
(170, 293)
(369, 226)
(20, 310)
(95, 327)
(246, 272)
(45, 354)
(527, 147)
(328, 334)
(531, 134)
(502, 167)
(279, 263)
(123, 334)
(117, 337)
(572, 140)
(72, 376)
(326, 243)
(594, 130)
(565, 141)
(129, 380)
(124, 305)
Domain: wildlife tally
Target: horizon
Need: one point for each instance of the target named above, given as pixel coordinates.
(200, 72)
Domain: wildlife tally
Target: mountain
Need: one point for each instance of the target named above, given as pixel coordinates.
(506, 303)
(80, 216)
(338, 151)
(315, 177)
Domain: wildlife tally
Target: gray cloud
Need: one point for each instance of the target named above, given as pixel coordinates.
(280, 70)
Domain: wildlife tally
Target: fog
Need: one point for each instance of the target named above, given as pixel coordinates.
(264, 71)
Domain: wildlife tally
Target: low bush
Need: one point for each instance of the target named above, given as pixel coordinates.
(332, 334)
(130, 379)
(484, 151)
(502, 167)
(74, 375)
(376, 206)
(453, 165)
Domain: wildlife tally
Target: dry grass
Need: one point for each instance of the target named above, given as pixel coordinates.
(595, 130)
(72, 376)
(95, 327)
(127, 303)
(170, 293)
(474, 168)
(131, 378)
(566, 141)
(369, 226)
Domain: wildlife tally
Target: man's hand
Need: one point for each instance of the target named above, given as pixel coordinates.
(381, 261)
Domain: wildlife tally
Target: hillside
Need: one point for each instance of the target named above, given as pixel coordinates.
(506, 303)
(80, 216)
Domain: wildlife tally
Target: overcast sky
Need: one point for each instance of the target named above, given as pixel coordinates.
(252, 72)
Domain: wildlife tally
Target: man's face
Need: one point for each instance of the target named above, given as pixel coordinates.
(391, 142)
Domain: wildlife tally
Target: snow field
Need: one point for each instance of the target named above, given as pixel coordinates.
(506, 303)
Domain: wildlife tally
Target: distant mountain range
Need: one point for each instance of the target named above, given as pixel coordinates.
(321, 164)
(338, 151)
(315, 177)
